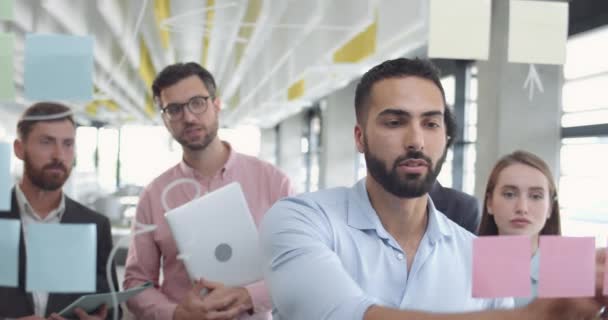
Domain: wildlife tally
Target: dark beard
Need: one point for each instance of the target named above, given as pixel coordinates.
(44, 180)
(410, 186)
(204, 143)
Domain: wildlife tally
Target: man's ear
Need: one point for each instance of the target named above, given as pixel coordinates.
(18, 149)
(217, 104)
(359, 138)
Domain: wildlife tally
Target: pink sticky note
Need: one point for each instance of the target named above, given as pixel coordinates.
(501, 267)
(606, 274)
(567, 267)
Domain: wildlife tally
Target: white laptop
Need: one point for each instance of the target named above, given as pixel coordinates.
(217, 238)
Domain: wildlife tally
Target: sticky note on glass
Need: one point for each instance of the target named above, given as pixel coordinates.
(9, 251)
(6, 180)
(7, 73)
(61, 257)
(7, 9)
(606, 274)
(501, 267)
(538, 31)
(460, 29)
(567, 267)
(58, 67)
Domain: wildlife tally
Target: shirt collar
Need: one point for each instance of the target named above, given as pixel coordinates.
(227, 169)
(438, 225)
(361, 215)
(535, 263)
(25, 208)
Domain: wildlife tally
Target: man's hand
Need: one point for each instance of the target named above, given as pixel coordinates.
(232, 300)
(563, 308)
(101, 314)
(220, 303)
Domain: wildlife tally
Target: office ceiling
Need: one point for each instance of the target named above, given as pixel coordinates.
(270, 57)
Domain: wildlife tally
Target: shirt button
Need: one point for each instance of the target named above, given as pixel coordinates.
(400, 256)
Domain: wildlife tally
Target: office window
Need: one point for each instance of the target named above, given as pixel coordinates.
(86, 142)
(446, 175)
(141, 161)
(469, 138)
(108, 159)
(310, 145)
(584, 150)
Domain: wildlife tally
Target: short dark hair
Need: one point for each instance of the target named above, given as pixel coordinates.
(172, 74)
(42, 109)
(401, 68)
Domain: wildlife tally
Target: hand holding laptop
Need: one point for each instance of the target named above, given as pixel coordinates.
(100, 314)
(220, 303)
(218, 243)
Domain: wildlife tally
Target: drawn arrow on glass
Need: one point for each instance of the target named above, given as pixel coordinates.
(533, 81)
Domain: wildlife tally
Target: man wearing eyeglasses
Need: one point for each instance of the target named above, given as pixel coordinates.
(186, 96)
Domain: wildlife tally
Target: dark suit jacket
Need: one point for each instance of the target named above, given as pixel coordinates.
(16, 302)
(458, 206)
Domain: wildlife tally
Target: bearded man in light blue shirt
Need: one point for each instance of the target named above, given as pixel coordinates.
(380, 250)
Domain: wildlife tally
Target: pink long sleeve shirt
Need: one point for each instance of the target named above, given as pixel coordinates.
(149, 253)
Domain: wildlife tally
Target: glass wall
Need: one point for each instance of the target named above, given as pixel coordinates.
(584, 152)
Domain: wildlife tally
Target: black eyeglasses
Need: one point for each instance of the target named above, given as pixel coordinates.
(175, 111)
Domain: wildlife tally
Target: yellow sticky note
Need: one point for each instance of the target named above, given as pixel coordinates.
(538, 31)
(460, 29)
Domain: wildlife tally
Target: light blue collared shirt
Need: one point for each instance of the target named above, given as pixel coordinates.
(534, 265)
(329, 257)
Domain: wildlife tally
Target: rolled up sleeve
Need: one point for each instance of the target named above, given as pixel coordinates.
(304, 275)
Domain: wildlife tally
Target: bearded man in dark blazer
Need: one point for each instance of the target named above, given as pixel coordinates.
(45, 143)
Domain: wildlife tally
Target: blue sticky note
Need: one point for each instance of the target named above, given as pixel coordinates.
(61, 257)
(9, 251)
(5, 176)
(58, 67)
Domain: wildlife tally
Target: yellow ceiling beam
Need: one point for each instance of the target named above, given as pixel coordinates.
(162, 11)
(210, 15)
(254, 7)
(92, 108)
(149, 108)
(146, 68)
(235, 100)
(111, 105)
(296, 90)
(360, 46)
(147, 73)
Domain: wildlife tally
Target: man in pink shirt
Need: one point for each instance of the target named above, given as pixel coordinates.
(186, 95)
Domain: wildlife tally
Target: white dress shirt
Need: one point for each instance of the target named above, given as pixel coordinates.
(28, 217)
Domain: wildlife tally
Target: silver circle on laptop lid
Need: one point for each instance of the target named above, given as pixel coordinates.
(223, 252)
